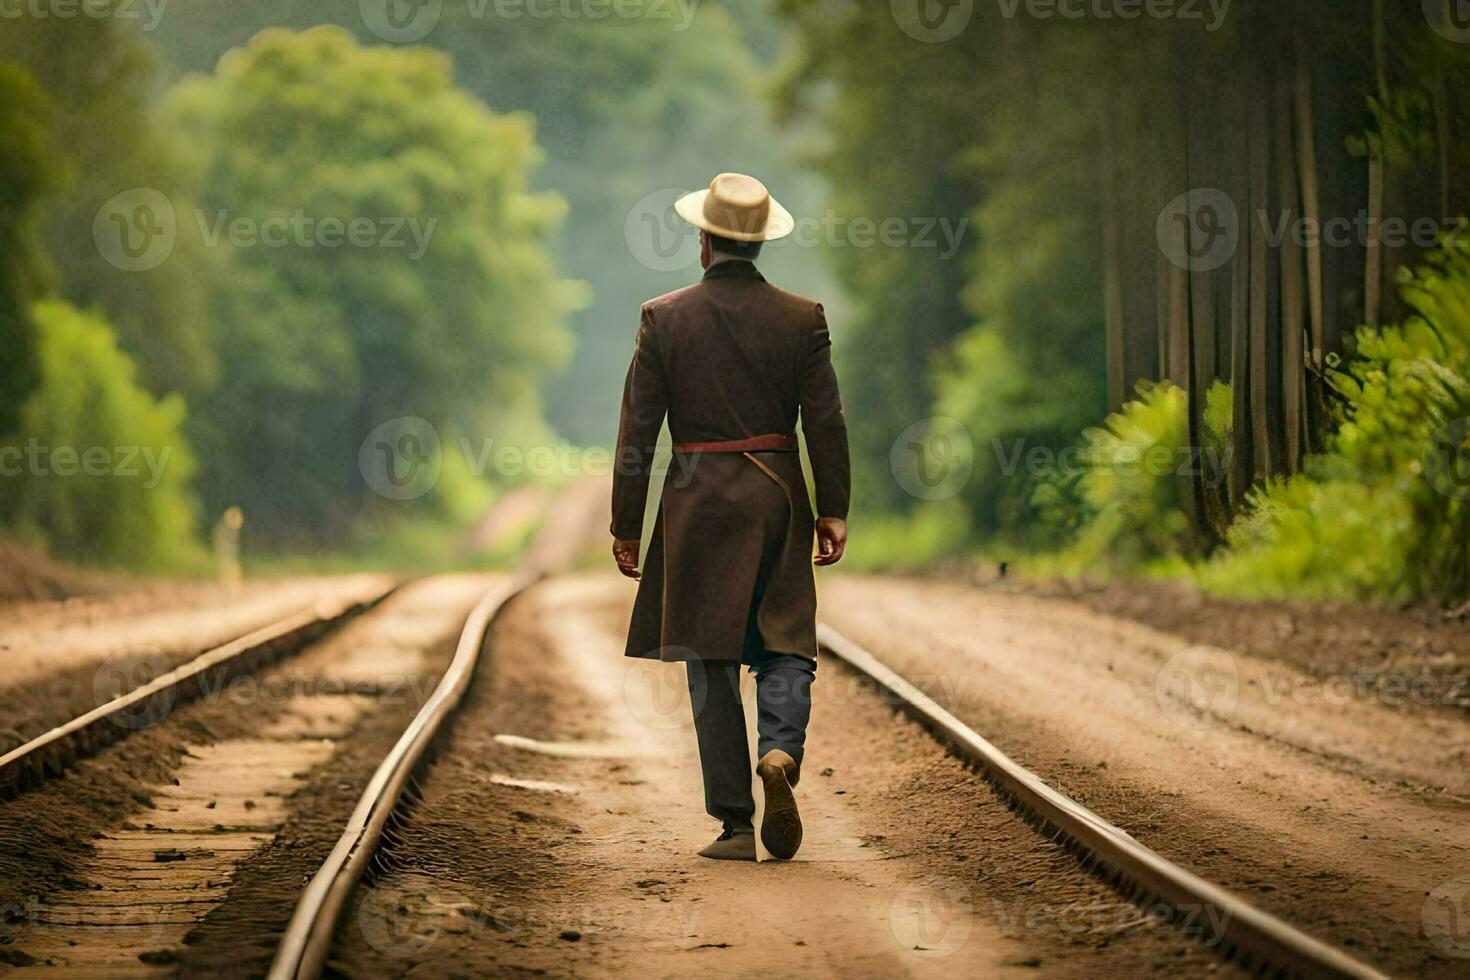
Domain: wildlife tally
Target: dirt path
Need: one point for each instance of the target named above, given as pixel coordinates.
(38, 639)
(557, 831)
(65, 659)
(1347, 817)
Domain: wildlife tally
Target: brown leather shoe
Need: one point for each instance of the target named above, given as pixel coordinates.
(781, 825)
(731, 846)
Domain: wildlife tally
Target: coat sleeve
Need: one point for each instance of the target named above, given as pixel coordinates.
(645, 400)
(824, 425)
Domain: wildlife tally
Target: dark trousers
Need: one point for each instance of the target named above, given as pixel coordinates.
(784, 706)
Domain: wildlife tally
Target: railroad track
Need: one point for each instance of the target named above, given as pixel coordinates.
(1255, 940)
(1259, 942)
(51, 753)
(304, 947)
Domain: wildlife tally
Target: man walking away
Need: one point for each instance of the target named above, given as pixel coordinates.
(733, 362)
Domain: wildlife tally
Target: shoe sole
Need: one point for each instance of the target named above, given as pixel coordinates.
(781, 825)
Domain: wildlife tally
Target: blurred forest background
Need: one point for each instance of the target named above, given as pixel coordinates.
(1204, 309)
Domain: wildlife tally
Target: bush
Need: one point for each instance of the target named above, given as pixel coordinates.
(1122, 495)
(1383, 513)
(97, 468)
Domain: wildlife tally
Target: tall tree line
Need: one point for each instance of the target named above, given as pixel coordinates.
(1150, 198)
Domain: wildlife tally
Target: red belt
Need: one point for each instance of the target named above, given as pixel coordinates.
(774, 442)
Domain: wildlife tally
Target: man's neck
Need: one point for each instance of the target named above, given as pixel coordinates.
(716, 258)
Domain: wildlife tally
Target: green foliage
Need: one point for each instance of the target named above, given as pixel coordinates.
(28, 168)
(449, 310)
(97, 469)
(99, 79)
(654, 95)
(994, 139)
(907, 541)
(900, 119)
(1123, 494)
(1384, 513)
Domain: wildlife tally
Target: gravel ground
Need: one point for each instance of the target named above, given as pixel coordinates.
(1415, 659)
(565, 846)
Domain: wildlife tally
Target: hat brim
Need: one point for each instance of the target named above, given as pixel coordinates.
(779, 222)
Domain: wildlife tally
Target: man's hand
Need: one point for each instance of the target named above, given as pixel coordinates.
(831, 540)
(625, 553)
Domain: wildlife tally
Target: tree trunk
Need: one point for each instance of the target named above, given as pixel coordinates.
(1242, 441)
(1262, 304)
(1112, 274)
(1293, 366)
(1311, 208)
(1373, 264)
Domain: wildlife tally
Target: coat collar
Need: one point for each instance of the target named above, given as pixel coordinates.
(733, 269)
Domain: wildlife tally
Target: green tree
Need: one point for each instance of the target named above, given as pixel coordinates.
(28, 168)
(101, 83)
(98, 469)
(442, 304)
(626, 104)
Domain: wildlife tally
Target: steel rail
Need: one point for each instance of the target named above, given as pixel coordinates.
(304, 946)
(1257, 940)
(48, 755)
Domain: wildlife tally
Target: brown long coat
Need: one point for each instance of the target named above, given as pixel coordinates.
(728, 567)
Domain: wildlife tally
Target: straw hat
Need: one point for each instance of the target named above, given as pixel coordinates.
(736, 207)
